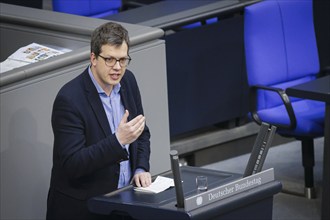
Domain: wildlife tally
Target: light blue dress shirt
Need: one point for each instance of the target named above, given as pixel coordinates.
(114, 110)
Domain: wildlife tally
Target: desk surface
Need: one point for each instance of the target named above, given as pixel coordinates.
(57, 29)
(215, 178)
(163, 205)
(318, 89)
(167, 14)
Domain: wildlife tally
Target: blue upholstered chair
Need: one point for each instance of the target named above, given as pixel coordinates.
(89, 8)
(281, 51)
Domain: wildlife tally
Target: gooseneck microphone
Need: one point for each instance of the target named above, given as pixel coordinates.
(177, 178)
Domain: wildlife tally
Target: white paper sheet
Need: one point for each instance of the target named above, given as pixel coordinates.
(159, 185)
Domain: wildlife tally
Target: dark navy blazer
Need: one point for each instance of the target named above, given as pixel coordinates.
(86, 154)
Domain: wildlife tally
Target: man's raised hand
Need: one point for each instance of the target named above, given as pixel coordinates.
(127, 132)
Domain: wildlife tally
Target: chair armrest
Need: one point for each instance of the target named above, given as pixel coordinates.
(286, 101)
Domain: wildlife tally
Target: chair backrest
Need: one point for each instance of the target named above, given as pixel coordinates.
(90, 8)
(280, 44)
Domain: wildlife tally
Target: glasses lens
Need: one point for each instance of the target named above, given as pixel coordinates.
(124, 61)
(110, 61)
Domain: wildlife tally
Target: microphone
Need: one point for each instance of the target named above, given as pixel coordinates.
(260, 149)
(177, 178)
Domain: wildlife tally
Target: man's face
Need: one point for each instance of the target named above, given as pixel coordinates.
(106, 70)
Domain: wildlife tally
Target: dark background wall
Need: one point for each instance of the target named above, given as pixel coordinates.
(27, 3)
(322, 30)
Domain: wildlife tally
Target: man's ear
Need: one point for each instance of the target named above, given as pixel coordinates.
(93, 59)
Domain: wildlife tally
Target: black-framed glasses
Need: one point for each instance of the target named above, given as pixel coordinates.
(111, 61)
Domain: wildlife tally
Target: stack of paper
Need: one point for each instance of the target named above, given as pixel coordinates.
(159, 185)
(29, 54)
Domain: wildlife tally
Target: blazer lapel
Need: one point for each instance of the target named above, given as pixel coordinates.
(123, 96)
(96, 104)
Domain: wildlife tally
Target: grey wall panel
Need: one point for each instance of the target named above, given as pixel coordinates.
(26, 144)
